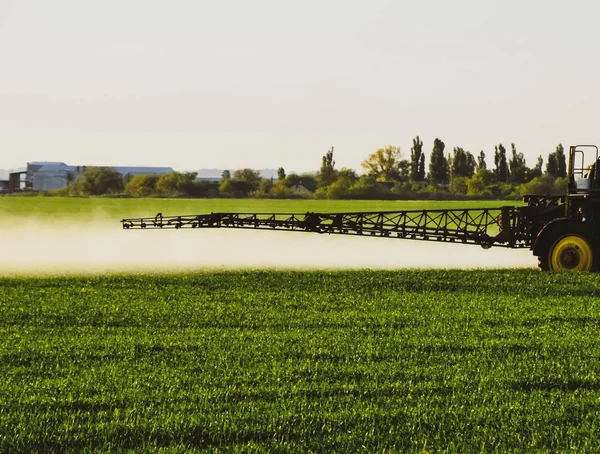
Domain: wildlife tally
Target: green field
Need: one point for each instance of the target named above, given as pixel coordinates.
(375, 361)
(57, 208)
(292, 361)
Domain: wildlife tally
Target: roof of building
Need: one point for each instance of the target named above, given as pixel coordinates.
(54, 167)
(149, 170)
(43, 163)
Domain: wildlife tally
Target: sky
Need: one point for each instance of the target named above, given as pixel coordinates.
(267, 83)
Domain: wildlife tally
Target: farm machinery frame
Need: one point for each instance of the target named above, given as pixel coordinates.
(562, 231)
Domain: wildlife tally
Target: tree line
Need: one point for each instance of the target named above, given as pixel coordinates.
(387, 175)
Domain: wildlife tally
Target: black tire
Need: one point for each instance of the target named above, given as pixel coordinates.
(543, 262)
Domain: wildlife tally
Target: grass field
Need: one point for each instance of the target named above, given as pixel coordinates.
(376, 361)
(57, 208)
(286, 361)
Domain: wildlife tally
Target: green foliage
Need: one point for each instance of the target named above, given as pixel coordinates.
(541, 185)
(174, 183)
(438, 164)
(327, 174)
(481, 164)
(284, 361)
(365, 187)
(201, 189)
(339, 189)
(479, 182)
(293, 179)
(421, 172)
(557, 166)
(459, 185)
(234, 187)
(386, 164)
(552, 166)
(250, 176)
(142, 185)
(241, 184)
(97, 181)
(519, 172)
(537, 170)
(309, 182)
(560, 185)
(279, 190)
(417, 160)
(264, 188)
(388, 177)
(502, 172)
(462, 163)
(561, 164)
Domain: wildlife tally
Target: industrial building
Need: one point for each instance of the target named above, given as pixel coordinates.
(45, 176)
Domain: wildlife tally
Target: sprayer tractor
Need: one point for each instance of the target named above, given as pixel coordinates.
(562, 231)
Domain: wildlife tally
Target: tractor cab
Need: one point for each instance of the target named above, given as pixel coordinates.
(583, 169)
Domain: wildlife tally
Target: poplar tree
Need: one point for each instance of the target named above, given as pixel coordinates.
(438, 164)
(481, 161)
(327, 174)
(501, 171)
(561, 161)
(417, 160)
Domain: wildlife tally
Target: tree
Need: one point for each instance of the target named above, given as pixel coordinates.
(250, 176)
(539, 185)
(339, 189)
(142, 185)
(175, 182)
(386, 164)
(552, 165)
(225, 174)
(561, 162)
(462, 163)
(234, 187)
(478, 183)
(70, 178)
(327, 173)
(502, 172)
(99, 180)
(241, 184)
(481, 161)
(281, 173)
(404, 170)
(518, 169)
(421, 172)
(417, 160)
(557, 163)
(438, 164)
(537, 170)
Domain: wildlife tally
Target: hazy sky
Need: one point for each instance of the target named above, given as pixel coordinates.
(268, 83)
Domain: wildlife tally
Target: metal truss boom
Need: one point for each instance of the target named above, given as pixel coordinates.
(486, 227)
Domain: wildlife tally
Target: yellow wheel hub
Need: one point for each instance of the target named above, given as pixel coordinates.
(571, 253)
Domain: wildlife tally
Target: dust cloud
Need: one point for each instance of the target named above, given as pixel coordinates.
(66, 248)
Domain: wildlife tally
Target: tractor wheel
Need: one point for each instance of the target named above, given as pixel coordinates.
(570, 252)
(543, 263)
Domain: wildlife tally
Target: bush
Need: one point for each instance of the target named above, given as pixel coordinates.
(97, 181)
(459, 185)
(201, 189)
(478, 183)
(538, 186)
(234, 187)
(174, 183)
(142, 185)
